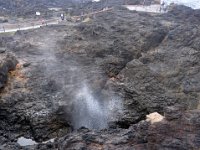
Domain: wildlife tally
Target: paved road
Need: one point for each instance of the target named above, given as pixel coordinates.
(7, 30)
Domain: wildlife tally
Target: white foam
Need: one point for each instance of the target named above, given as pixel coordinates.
(22, 141)
(26, 142)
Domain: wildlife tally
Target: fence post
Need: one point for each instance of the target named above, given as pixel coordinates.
(4, 29)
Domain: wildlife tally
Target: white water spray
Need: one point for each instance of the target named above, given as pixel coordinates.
(88, 111)
(91, 112)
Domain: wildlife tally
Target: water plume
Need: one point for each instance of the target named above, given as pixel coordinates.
(68, 81)
(92, 112)
(88, 111)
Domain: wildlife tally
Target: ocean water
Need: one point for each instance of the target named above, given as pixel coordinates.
(195, 4)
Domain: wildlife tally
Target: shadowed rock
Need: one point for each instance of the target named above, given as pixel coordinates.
(7, 63)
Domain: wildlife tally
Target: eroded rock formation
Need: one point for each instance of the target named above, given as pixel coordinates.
(150, 62)
(8, 63)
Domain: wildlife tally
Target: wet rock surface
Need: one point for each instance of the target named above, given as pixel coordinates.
(150, 62)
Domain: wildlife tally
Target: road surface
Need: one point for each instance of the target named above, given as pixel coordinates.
(6, 29)
(37, 24)
(34, 25)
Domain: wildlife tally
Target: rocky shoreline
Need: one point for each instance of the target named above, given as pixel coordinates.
(148, 62)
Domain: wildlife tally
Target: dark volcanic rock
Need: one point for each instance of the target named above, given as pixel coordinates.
(180, 133)
(149, 62)
(7, 63)
(174, 112)
(27, 8)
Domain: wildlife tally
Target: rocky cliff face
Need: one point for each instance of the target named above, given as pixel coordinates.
(126, 64)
